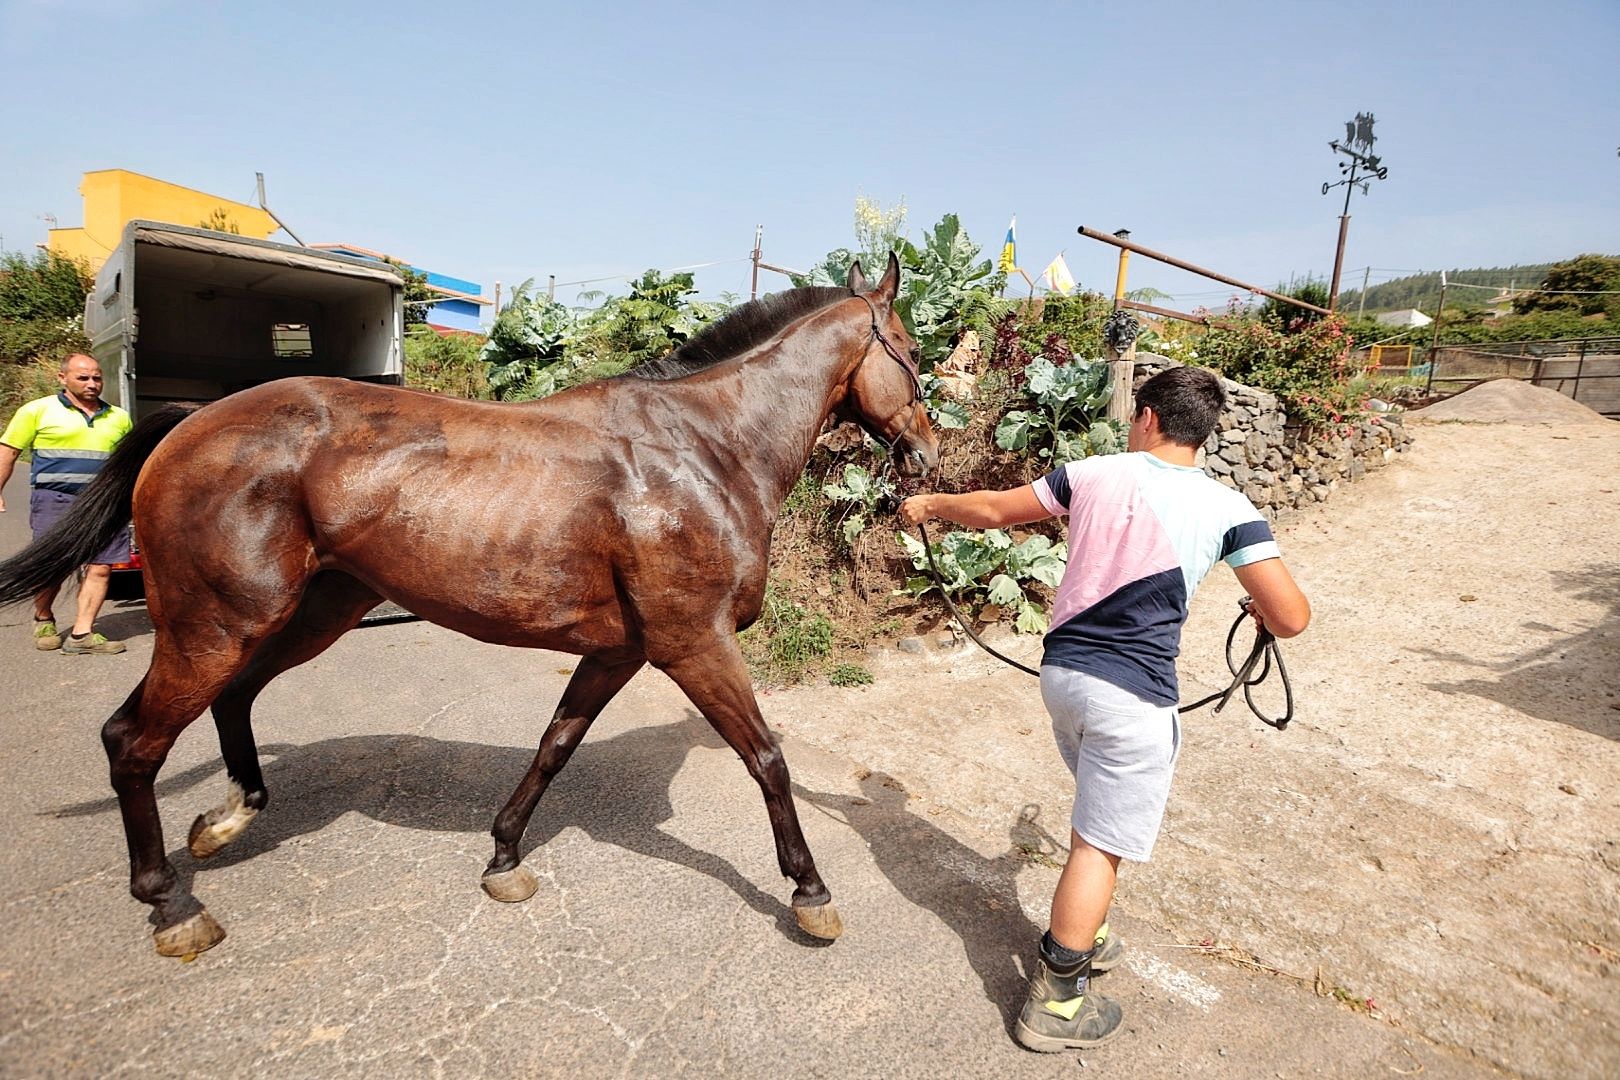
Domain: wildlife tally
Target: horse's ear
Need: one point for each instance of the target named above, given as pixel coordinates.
(889, 287)
(857, 278)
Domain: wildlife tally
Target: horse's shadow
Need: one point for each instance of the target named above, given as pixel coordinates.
(974, 895)
(615, 789)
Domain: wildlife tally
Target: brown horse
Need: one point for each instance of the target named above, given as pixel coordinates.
(628, 521)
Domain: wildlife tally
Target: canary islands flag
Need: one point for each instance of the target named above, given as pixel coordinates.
(1009, 249)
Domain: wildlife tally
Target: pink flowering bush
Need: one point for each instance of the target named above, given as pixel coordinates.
(1309, 369)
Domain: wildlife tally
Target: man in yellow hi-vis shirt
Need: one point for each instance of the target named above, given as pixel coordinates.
(71, 433)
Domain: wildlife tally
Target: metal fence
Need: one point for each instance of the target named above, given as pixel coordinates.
(1585, 369)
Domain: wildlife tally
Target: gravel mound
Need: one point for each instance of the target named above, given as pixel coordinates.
(1509, 401)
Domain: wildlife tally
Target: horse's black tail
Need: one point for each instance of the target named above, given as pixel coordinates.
(96, 516)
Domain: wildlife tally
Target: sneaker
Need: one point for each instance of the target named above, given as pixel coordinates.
(46, 635)
(1108, 951)
(93, 644)
(1062, 1012)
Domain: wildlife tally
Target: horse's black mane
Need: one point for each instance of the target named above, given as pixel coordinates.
(739, 330)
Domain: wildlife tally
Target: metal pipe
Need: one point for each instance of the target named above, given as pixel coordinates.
(1169, 260)
(1168, 313)
(266, 208)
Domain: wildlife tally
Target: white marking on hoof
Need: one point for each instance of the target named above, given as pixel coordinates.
(186, 939)
(511, 886)
(821, 921)
(221, 825)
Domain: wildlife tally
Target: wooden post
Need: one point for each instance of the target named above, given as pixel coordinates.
(1121, 366)
(1122, 404)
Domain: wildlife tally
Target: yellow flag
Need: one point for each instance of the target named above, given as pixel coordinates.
(1009, 249)
(1057, 276)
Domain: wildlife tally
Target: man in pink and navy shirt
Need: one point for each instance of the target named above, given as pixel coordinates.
(1144, 528)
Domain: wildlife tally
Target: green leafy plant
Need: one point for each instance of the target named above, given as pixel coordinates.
(987, 568)
(787, 641)
(945, 288)
(849, 675)
(527, 345)
(862, 493)
(1062, 421)
(944, 277)
(944, 413)
(446, 363)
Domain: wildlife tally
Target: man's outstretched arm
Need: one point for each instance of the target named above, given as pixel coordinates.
(977, 509)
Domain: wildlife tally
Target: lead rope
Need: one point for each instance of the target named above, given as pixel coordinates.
(1265, 649)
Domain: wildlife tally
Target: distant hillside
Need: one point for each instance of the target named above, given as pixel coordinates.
(1422, 291)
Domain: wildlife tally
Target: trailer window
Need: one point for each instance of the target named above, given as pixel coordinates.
(291, 341)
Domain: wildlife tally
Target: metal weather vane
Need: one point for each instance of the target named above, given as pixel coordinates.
(1357, 146)
(1362, 167)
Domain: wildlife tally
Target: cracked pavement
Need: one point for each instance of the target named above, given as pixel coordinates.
(660, 942)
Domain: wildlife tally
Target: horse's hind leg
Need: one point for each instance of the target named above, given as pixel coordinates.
(184, 677)
(716, 680)
(594, 683)
(333, 604)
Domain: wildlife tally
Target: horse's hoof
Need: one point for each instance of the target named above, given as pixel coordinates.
(186, 939)
(224, 823)
(510, 886)
(821, 921)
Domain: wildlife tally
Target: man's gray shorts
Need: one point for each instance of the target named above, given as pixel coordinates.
(1122, 751)
(47, 507)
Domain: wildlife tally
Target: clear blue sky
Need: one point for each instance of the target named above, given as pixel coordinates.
(498, 142)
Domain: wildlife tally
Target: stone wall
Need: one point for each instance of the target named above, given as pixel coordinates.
(1255, 450)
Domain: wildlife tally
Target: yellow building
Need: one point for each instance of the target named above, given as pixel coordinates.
(114, 197)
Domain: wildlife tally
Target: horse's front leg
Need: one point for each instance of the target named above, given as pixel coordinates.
(715, 678)
(593, 685)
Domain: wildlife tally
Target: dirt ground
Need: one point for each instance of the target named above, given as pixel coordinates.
(1437, 835)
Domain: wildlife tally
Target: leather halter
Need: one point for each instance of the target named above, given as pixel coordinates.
(905, 363)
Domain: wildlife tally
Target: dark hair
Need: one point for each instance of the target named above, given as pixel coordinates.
(1187, 400)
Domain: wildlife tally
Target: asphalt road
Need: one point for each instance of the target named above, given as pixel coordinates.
(660, 942)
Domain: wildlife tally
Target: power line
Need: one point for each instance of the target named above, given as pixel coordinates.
(637, 273)
(1542, 292)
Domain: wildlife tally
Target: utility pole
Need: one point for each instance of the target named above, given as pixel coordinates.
(1361, 311)
(1357, 146)
(1434, 342)
(753, 281)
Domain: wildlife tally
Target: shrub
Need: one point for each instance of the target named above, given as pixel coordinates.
(849, 675)
(447, 364)
(1310, 371)
(45, 286)
(788, 641)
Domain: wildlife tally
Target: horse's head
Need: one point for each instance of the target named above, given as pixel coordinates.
(884, 394)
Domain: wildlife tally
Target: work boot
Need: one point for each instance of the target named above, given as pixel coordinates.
(91, 644)
(46, 635)
(1062, 1012)
(1107, 952)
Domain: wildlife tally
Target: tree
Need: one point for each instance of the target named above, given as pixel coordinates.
(220, 221)
(46, 286)
(1289, 317)
(418, 296)
(1562, 288)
